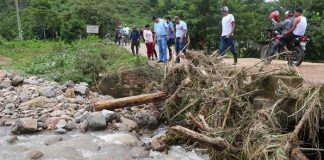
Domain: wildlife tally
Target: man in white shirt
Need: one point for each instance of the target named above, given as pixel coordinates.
(227, 39)
(181, 36)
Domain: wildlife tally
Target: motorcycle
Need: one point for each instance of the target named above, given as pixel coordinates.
(296, 48)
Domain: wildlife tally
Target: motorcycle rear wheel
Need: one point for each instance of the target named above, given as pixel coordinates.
(298, 55)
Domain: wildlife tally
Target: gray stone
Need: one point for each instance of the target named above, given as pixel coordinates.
(17, 80)
(60, 131)
(129, 124)
(81, 89)
(4, 85)
(96, 121)
(71, 125)
(69, 83)
(10, 106)
(30, 81)
(109, 115)
(36, 102)
(61, 124)
(34, 154)
(48, 92)
(53, 140)
(25, 125)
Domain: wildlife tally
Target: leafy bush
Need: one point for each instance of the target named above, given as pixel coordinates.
(83, 60)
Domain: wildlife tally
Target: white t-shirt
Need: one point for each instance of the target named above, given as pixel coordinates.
(148, 36)
(227, 24)
(180, 28)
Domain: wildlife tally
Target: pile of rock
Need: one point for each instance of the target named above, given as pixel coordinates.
(33, 104)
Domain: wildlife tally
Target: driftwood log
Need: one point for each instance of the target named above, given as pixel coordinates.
(130, 101)
(217, 143)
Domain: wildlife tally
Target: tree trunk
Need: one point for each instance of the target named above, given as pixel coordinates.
(218, 143)
(130, 101)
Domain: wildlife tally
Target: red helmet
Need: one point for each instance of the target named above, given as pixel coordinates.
(275, 15)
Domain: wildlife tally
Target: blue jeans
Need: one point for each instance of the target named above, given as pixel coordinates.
(162, 43)
(225, 43)
(178, 47)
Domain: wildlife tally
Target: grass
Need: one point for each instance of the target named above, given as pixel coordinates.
(81, 61)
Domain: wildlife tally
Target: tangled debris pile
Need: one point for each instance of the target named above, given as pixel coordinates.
(219, 102)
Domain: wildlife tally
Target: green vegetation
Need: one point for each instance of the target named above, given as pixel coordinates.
(82, 60)
(66, 19)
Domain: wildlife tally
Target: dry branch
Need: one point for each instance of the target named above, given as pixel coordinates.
(217, 143)
(196, 122)
(130, 101)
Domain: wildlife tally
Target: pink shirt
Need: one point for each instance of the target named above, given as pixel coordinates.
(148, 36)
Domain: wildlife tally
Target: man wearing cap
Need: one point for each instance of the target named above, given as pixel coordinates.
(135, 37)
(161, 34)
(181, 36)
(285, 26)
(227, 39)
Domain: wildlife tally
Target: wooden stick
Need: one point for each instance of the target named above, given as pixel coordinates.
(196, 122)
(130, 101)
(217, 143)
(296, 154)
(229, 107)
(185, 108)
(311, 149)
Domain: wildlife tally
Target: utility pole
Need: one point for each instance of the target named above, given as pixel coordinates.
(18, 21)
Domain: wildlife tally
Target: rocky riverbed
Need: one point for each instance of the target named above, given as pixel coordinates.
(42, 119)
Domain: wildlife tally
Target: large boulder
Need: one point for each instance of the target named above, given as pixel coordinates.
(96, 121)
(25, 125)
(82, 89)
(48, 92)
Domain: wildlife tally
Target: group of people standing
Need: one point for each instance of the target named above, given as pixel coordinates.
(165, 34)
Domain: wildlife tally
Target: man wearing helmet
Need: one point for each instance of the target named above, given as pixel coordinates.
(274, 17)
(285, 26)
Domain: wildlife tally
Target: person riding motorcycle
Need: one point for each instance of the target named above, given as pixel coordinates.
(274, 17)
(297, 30)
(285, 26)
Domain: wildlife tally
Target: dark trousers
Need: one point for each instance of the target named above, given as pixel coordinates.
(227, 42)
(136, 45)
(178, 47)
(283, 41)
(169, 43)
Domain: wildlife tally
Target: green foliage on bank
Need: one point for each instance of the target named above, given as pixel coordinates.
(80, 61)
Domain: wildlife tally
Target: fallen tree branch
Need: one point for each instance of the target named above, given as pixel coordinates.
(217, 143)
(130, 101)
